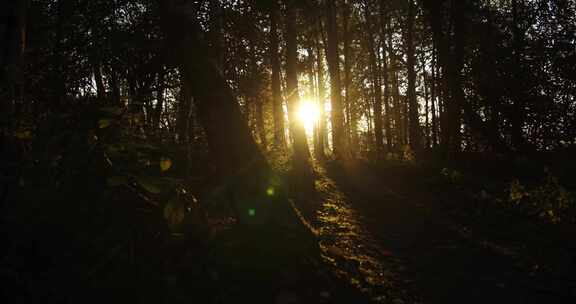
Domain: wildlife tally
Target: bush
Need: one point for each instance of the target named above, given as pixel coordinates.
(548, 200)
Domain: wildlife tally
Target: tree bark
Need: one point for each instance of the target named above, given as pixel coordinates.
(452, 63)
(433, 95)
(184, 113)
(426, 101)
(339, 141)
(320, 151)
(347, 101)
(215, 35)
(376, 87)
(518, 107)
(100, 90)
(301, 153)
(243, 169)
(12, 57)
(385, 75)
(277, 109)
(414, 122)
(159, 101)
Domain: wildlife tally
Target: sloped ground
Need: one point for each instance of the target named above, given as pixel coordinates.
(388, 236)
(353, 253)
(382, 232)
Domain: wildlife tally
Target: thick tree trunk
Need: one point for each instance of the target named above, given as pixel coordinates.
(301, 153)
(242, 167)
(339, 141)
(310, 70)
(277, 110)
(376, 87)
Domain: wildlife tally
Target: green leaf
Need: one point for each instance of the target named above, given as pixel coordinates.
(148, 185)
(112, 110)
(24, 134)
(174, 213)
(165, 164)
(115, 181)
(103, 123)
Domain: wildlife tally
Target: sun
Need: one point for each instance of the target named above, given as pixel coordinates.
(308, 114)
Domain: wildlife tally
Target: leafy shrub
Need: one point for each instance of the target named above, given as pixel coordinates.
(391, 156)
(548, 201)
(408, 154)
(452, 176)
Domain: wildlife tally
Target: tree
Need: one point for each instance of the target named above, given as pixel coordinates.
(278, 111)
(301, 154)
(339, 138)
(321, 139)
(376, 86)
(385, 74)
(240, 162)
(410, 64)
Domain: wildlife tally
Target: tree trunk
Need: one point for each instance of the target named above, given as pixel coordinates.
(339, 142)
(426, 102)
(347, 71)
(278, 111)
(100, 90)
(320, 151)
(12, 59)
(414, 122)
(433, 97)
(184, 113)
(115, 87)
(159, 101)
(215, 35)
(452, 63)
(376, 87)
(518, 112)
(242, 167)
(255, 107)
(301, 154)
(385, 76)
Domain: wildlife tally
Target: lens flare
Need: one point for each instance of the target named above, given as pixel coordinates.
(308, 114)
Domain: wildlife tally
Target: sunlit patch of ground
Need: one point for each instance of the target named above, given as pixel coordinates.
(350, 250)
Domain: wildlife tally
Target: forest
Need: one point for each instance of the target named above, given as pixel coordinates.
(287, 151)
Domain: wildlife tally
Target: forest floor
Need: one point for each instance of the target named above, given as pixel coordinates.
(390, 233)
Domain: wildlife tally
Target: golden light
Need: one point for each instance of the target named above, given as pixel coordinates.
(308, 114)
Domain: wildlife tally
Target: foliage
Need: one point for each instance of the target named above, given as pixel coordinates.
(548, 200)
(408, 154)
(391, 156)
(452, 176)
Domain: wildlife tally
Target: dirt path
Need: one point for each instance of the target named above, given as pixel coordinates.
(398, 249)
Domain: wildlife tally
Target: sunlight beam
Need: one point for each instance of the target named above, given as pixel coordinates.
(308, 114)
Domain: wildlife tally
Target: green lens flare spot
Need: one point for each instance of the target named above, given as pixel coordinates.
(270, 191)
(251, 212)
